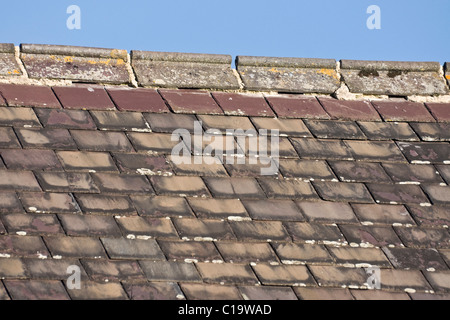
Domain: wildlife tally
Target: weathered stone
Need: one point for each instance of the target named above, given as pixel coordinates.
(75, 63)
(447, 72)
(183, 70)
(393, 78)
(8, 63)
(296, 75)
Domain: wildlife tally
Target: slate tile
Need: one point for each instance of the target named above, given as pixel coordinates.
(431, 216)
(359, 257)
(439, 195)
(30, 159)
(277, 210)
(332, 276)
(125, 249)
(46, 202)
(326, 294)
(179, 186)
(21, 246)
(322, 149)
(444, 170)
(103, 204)
(253, 167)
(440, 281)
(210, 145)
(260, 231)
(56, 139)
(189, 251)
(324, 211)
(285, 127)
(383, 214)
(106, 271)
(424, 237)
(52, 269)
(10, 203)
(306, 169)
(296, 253)
(19, 117)
(241, 188)
(315, 233)
(432, 131)
(101, 141)
(120, 121)
(425, 152)
(246, 252)
(411, 173)
(440, 111)
(122, 184)
(18, 180)
(143, 164)
(378, 295)
(227, 273)
(203, 230)
(230, 209)
(91, 97)
(291, 189)
(32, 224)
(379, 151)
(36, 290)
(65, 119)
(12, 268)
(267, 146)
(170, 271)
(294, 106)
(204, 166)
(137, 99)
(397, 194)
(421, 296)
(162, 206)
(349, 171)
(147, 227)
(154, 291)
(403, 111)
(287, 275)
(86, 161)
(227, 125)
(66, 182)
(267, 293)
(234, 104)
(325, 129)
(197, 291)
(417, 259)
(168, 123)
(89, 225)
(349, 110)
(2, 228)
(17, 95)
(153, 143)
(388, 131)
(8, 139)
(75, 247)
(370, 236)
(99, 291)
(346, 192)
(190, 101)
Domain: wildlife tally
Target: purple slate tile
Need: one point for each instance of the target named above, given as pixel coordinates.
(30, 159)
(84, 97)
(426, 152)
(137, 99)
(67, 119)
(403, 111)
(350, 110)
(29, 96)
(243, 104)
(190, 101)
(440, 111)
(293, 106)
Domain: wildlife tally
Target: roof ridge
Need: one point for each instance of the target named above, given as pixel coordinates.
(344, 79)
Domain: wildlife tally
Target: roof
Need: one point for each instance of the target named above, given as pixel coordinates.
(356, 206)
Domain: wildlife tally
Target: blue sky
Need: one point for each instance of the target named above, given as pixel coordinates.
(411, 30)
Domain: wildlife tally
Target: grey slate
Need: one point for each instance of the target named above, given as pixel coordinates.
(295, 75)
(393, 78)
(75, 63)
(183, 70)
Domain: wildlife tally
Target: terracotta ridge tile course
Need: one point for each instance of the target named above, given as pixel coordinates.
(359, 195)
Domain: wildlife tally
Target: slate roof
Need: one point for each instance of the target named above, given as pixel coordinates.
(87, 180)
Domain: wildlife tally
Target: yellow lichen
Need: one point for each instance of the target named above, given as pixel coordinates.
(447, 76)
(68, 59)
(328, 72)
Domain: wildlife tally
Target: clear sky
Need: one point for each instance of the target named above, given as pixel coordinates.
(411, 30)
